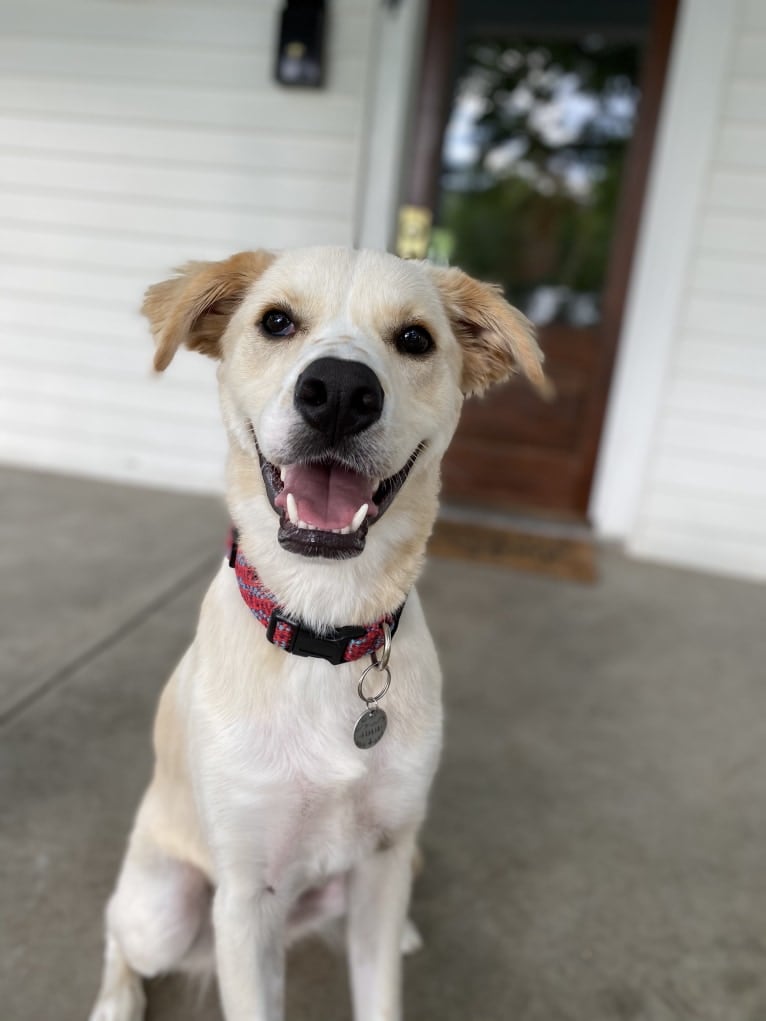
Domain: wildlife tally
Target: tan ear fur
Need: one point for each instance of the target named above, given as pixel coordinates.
(497, 340)
(194, 307)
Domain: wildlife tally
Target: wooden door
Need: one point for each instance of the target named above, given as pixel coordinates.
(537, 182)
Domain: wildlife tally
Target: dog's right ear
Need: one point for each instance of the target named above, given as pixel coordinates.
(194, 307)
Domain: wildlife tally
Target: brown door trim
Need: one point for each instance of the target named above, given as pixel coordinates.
(433, 100)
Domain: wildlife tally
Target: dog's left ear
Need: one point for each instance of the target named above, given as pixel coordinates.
(194, 307)
(496, 339)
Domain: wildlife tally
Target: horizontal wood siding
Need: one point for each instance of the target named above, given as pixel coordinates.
(704, 495)
(133, 137)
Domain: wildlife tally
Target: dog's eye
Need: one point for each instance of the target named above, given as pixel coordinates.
(278, 323)
(414, 340)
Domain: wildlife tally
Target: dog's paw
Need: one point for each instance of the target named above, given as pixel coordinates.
(412, 941)
(126, 1003)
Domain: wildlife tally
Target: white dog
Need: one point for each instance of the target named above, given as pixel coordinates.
(280, 798)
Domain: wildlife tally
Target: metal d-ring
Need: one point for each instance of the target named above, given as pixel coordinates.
(382, 663)
(374, 699)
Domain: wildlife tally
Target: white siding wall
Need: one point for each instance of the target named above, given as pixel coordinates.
(699, 487)
(134, 135)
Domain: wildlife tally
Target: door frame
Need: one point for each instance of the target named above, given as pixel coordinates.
(421, 187)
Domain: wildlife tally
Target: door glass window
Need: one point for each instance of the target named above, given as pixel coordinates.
(531, 166)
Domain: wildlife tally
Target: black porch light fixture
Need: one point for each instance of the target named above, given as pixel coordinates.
(301, 44)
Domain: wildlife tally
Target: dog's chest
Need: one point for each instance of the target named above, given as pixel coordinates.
(276, 767)
(333, 829)
(294, 787)
(315, 815)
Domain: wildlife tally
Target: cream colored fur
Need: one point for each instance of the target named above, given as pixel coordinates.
(262, 818)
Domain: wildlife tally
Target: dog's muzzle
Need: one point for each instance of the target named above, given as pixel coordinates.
(326, 492)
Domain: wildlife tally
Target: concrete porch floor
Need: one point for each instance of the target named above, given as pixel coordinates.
(596, 847)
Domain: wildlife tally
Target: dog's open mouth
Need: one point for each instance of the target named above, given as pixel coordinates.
(326, 508)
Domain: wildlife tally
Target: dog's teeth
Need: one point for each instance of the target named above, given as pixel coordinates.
(283, 473)
(376, 485)
(292, 509)
(344, 531)
(358, 518)
(303, 524)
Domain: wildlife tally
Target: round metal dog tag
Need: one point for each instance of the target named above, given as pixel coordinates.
(370, 727)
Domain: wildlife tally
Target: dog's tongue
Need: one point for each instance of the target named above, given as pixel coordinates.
(327, 497)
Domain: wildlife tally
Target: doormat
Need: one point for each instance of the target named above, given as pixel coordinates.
(559, 556)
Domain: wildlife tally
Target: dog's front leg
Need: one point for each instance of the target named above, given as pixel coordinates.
(379, 894)
(250, 952)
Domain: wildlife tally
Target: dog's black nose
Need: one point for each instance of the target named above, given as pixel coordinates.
(338, 397)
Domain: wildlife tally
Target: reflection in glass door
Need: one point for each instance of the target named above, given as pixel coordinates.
(532, 163)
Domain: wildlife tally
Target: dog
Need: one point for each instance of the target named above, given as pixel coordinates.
(297, 739)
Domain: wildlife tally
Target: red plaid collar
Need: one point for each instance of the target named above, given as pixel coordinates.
(336, 645)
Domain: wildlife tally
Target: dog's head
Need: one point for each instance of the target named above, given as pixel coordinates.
(342, 375)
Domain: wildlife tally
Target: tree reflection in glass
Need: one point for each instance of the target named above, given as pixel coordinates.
(532, 160)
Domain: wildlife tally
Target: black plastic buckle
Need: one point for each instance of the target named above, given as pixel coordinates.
(305, 642)
(234, 546)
